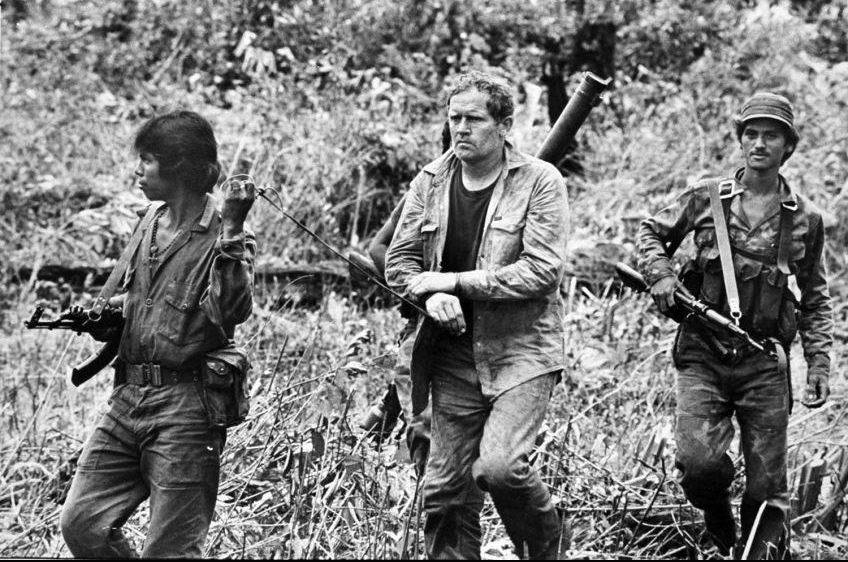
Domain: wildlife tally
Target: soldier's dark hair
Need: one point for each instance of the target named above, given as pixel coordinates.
(184, 145)
(499, 104)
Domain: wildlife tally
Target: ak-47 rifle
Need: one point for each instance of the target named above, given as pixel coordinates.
(107, 325)
(702, 312)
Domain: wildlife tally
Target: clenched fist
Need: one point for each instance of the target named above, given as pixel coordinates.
(239, 195)
(447, 312)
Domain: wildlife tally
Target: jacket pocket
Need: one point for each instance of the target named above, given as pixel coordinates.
(506, 241)
(181, 314)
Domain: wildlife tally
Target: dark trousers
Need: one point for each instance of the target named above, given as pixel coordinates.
(709, 392)
(481, 445)
(154, 442)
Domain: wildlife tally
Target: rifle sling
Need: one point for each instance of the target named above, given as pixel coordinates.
(723, 243)
(784, 240)
(121, 267)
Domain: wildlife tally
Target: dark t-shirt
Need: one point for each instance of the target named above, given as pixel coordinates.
(466, 218)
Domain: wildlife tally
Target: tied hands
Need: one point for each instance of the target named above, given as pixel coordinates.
(239, 195)
(441, 306)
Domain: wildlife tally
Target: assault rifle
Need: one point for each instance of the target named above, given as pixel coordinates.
(695, 308)
(106, 326)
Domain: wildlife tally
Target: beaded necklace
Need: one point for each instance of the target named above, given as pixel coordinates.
(154, 248)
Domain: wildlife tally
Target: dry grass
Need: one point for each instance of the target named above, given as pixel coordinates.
(300, 479)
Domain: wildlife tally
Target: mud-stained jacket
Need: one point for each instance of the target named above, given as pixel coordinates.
(189, 301)
(773, 304)
(518, 312)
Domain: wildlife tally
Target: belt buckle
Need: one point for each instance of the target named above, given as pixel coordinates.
(151, 374)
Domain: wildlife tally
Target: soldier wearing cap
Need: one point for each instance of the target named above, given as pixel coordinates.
(776, 241)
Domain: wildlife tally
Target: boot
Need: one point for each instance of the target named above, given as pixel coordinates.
(767, 533)
(561, 542)
(383, 416)
(720, 526)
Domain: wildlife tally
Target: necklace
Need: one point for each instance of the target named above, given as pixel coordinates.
(154, 247)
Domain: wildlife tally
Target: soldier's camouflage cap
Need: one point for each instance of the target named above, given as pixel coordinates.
(766, 105)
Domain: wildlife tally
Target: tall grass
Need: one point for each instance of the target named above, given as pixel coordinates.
(300, 479)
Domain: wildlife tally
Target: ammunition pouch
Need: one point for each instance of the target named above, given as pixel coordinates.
(770, 309)
(224, 386)
(777, 309)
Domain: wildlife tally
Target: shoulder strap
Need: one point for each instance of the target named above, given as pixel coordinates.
(723, 243)
(121, 267)
(784, 240)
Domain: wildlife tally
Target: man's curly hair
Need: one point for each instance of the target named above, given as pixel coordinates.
(499, 104)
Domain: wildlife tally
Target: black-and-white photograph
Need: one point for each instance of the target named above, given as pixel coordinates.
(424, 279)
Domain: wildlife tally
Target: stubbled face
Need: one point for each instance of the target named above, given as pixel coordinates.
(475, 135)
(764, 144)
(155, 188)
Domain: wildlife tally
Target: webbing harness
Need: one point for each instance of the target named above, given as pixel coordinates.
(720, 210)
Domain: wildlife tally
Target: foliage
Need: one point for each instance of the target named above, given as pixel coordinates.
(338, 105)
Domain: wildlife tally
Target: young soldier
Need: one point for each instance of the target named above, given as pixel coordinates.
(481, 242)
(189, 283)
(776, 239)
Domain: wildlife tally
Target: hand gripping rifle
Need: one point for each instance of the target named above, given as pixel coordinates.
(704, 314)
(105, 326)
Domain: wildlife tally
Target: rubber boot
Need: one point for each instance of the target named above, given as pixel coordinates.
(383, 416)
(720, 526)
(765, 527)
(559, 543)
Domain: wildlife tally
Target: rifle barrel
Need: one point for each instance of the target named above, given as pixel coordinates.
(633, 279)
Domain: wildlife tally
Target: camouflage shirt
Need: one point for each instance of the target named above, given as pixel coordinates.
(803, 301)
(189, 300)
(518, 312)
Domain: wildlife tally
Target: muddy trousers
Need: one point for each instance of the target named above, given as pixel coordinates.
(709, 392)
(478, 445)
(154, 442)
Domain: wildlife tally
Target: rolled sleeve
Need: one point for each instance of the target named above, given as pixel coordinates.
(540, 266)
(229, 299)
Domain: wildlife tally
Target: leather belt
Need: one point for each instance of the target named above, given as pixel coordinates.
(153, 374)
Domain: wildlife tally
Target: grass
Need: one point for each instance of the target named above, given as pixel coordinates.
(301, 480)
